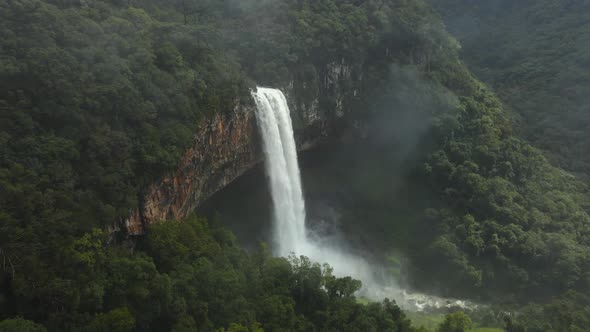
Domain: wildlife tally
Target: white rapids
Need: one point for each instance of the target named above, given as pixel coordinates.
(290, 235)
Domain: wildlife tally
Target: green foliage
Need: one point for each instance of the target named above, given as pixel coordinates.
(447, 183)
(220, 286)
(569, 312)
(455, 322)
(533, 53)
(116, 320)
(501, 218)
(100, 98)
(20, 325)
(97, 102)
(213, 285)
(507, 213)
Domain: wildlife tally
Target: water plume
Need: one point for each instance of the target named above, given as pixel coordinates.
(290, 233)
(289, 229)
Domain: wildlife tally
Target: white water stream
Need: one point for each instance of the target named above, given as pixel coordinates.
(290, 234)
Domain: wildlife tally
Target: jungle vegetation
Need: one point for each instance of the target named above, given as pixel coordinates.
(100, 98)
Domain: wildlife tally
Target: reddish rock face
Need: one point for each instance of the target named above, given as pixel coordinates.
(226, 146)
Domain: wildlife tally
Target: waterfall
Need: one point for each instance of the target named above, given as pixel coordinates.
(290, 235)
(280, 151)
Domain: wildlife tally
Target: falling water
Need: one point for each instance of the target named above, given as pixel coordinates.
(290, 235)
(274, 122)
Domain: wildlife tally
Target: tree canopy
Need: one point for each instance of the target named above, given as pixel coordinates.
(100, 98)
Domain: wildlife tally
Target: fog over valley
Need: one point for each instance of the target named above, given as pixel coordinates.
(294, 165)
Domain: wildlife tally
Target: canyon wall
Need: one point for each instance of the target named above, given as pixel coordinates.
(228, 144)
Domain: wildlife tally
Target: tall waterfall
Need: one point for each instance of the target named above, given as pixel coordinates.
(274, 122)
(290, 235)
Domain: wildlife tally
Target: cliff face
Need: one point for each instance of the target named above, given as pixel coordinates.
(228, 144)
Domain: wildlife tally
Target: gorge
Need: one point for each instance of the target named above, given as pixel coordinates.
(228, 144)
(144, 185)
(291, 236)
(289, 218)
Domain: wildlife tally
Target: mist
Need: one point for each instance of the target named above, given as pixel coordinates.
(401, 118)
(533, 55)
(291, 236)
(422, 151)
(398, 121)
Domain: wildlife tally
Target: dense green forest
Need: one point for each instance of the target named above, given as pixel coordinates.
(100, 98)
(535, 56)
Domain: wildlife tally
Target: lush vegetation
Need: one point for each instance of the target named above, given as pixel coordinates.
(498, 221)
(188, 276)
(534, 54)
(99, 98)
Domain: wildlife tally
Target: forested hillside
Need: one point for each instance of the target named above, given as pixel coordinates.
(534, 54)
(100, 98)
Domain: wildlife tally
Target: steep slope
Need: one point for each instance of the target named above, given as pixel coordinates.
(103, 98)
(534, 54)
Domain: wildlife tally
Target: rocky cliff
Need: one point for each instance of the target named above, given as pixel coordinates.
(228, 144)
